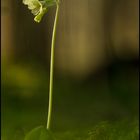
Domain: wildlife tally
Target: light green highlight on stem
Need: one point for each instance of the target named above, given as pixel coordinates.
(51, 69)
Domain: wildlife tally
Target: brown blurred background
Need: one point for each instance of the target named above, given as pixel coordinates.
(90, 34)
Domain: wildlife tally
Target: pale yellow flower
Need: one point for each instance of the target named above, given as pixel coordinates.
(37, 8)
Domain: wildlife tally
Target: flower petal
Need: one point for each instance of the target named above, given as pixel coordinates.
(40, 15)
(32, 4)
(39, 7)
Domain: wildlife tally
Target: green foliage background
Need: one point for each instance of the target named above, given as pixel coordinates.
(103, 106)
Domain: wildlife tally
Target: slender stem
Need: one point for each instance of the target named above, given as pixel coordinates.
(51, 69)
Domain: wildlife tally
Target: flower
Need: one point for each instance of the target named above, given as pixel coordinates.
(38, 8)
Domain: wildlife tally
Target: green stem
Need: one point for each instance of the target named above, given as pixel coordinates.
(51, 69)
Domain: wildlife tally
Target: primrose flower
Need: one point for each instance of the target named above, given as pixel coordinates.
(38, 8)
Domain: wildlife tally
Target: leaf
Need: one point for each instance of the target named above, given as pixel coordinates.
(39, 133)
(49, 3)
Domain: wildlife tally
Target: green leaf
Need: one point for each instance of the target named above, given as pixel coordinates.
(49, 3)
(39, 133)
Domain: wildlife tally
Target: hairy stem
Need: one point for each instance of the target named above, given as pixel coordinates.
(51, 69)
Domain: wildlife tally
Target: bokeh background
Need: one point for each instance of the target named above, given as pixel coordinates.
(96, 72)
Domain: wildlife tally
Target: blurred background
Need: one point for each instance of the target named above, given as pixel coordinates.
(96, 72)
